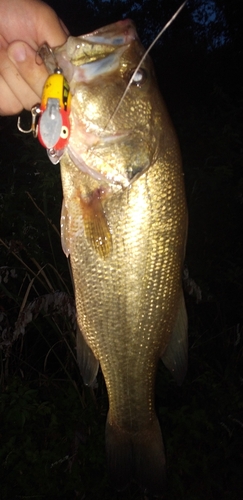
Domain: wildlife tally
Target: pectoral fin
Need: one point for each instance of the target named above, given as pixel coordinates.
(87, 362)
(95, 225)
(175, 356)
(65, 237)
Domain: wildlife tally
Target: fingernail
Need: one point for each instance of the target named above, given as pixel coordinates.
(17, 53)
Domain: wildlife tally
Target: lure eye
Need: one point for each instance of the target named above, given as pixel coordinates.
(64, 132)
(139, 77)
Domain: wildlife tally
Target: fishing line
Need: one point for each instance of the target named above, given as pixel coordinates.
(143, 57)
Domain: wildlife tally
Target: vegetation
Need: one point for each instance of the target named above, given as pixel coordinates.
(51, 425)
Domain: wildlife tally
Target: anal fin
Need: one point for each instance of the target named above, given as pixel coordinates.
(176, 355)
(87, 362)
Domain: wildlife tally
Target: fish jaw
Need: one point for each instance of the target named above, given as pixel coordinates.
(98, 44)
(120, 33)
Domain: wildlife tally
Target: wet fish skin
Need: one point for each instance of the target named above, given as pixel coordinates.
(124, 223)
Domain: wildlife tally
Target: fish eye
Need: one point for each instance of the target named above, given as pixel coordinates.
(139, 77)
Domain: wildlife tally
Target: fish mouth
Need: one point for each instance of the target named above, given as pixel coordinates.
(88, 56)
(89, 48)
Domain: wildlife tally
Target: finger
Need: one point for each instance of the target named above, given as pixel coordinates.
(64, 27)
(24, 76)
(50, 28)
(9, 104)
(33, 22)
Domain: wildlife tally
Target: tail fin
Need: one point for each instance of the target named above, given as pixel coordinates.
(136, 455)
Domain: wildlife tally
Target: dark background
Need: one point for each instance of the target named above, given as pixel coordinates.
(46, 413)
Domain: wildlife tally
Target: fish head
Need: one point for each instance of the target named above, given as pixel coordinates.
(115, 103)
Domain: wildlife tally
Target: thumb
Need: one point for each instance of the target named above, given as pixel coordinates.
(25, 75)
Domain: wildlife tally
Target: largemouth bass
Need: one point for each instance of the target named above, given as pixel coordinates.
(124, 224)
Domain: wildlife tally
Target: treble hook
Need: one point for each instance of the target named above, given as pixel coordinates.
(35, 112)
(46, 53)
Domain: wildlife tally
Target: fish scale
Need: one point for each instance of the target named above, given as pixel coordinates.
(99, 301)
(124, 224)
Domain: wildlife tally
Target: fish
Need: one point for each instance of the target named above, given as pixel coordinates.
(124, 226)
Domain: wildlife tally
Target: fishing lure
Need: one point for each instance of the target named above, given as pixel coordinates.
(54, 124)
(50, 118)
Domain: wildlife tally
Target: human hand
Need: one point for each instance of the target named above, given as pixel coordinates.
(24, 26)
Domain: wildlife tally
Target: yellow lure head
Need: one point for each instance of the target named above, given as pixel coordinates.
(57, 87)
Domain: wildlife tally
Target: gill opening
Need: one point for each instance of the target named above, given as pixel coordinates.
(171, 20)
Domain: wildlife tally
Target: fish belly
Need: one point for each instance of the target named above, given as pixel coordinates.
(126, 304)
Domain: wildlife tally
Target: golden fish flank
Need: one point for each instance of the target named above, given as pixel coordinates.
(124, 225)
